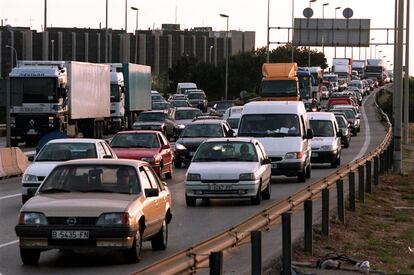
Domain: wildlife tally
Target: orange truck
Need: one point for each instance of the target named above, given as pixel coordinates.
(279, 82)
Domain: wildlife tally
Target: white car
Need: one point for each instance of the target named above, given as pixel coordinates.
(229, 168)
(234, 110)
(234, 122)
(57, 151)
(325, 92)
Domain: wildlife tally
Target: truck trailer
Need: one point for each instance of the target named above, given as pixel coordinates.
(375, 69)
(279, 82)
(71, 97)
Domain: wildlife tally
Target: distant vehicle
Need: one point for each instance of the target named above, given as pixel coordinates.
(344, 126)
(101, 204)
(351, 115)
(198, 99)
(317, 79)
(326, 142)
(279, 82)
(229, 168)
(180, 103)
(156, 97)
(194, 134)
(220, 107)
(343, 68)
(182, 87)
(359, 66)
(234, 121)
(325, 92)
(305, 84)
(232, 111)
(162, 105)
(375, 68)
(57, 151)
(332, 78)
(160, 120)
(175, 97)
(150, 146)
(184, 116)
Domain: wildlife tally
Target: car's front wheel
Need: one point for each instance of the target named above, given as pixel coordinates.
(29, 256)
(159, 241)
(132, 254)
(168, 175)
(267, 192)
(256, 200)
(190, 201)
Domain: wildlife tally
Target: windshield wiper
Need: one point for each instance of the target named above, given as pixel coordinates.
(55, 190)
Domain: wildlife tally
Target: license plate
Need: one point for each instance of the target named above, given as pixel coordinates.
(314, 154)
(32, 132)
(274, 165)
(70, 234)
(219, 187)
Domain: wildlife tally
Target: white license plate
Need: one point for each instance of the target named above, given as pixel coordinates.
(274, 165)
(70, 234)
(314, 154)
(219, 187)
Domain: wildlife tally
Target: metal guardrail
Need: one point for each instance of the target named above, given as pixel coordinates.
(193, 258)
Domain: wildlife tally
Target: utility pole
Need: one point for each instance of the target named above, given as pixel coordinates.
(406, 132)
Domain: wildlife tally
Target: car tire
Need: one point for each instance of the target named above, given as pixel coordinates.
(168, 175)
(334, 164)
(267, 192)
(132, 254)
(359, 129)
(354, 133)
(160, 241)
(190, 201)
(338, 161)
(256, 200)
(346, 144)
(177, 164)
(308, 172)
(302, 176)
(30, 256)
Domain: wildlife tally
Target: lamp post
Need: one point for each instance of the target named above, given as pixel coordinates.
(309, 58)
(293, 22)
(375, 51)
(53, 49)
(106, 32)
(8, 133)
(323, 17)
(227, 56)
(211, 48)
(136, 34)
(370, 48)
(336, 9)
(268, 32)
(379, 54)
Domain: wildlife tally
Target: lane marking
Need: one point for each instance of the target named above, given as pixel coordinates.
(10, 196)
(9, 243)
(367, 133)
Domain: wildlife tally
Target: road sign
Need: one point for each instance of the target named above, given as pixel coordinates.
(308, 12)
(347, 13)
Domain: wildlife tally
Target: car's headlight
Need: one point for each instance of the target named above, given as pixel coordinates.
(148, 159)
(294, 155)
(113, 218)
(181, 126)
(193, 177)
(179, 146)
(32, 218)
(327, 147)
(29, 177)
(246, 176)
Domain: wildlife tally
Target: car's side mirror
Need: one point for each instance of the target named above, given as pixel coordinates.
(340, 134)
(309, 134)
(30, 158)
(266, 161)
(151, 192)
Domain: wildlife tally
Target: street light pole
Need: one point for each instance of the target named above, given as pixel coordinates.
(53, 49)
(136, 34)
(8, 95)
(337, 8)
(323, 17)
(406, 77)
(211, 48)
(106, 32)
(309, 57)
(268, 32)
(370, 48)
(293, 22)
(227, 56)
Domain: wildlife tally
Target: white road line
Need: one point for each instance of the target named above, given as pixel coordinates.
(9, 243)
(367, 134)
(10, 196)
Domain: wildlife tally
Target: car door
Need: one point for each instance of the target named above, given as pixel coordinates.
(160, 199)
(149, 208)
(166, 154)
(265, 169)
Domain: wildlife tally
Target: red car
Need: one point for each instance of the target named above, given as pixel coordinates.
(150, 146)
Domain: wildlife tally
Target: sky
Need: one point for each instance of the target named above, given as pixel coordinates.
(244, 15)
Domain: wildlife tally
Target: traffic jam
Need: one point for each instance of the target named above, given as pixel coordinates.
(110, 192)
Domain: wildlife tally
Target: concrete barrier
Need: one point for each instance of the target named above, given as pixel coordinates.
(22, 160)
(13, 162)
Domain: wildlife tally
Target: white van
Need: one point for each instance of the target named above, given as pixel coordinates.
(283, 128)
(183, 86)
(326, 142)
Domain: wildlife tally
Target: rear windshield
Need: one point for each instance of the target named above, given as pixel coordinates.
(269, 125)
(67, 151)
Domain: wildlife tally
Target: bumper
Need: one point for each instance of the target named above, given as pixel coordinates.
(40, 237)
(236, 189)
(289, 169)
(324, 156)
(184, 155)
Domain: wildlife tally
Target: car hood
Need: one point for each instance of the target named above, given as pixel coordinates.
(183, 121)
(41, 168)
(317, 142)
(140, 123)
(135, 153)
(191, 141)
(78, 204)
(281, 145)
(222, 170)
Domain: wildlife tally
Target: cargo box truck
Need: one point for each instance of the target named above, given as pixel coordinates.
(279, 82)
(71, 97)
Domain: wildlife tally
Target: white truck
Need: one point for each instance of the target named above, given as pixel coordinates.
(359, 66)
(67, 96)
(375, 69)
(343, 68)
(130, 94)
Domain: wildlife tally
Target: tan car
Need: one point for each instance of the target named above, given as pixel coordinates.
(83, 204)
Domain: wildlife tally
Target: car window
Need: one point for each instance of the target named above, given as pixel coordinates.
(161, 140)
(154, 179)
(135, 140)
(67, 151)
(145, 181)
(226, 151)
(106, 149)
(259, 152)
(322, 128)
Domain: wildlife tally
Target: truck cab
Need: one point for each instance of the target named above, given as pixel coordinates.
(279, 82)
(117, 122)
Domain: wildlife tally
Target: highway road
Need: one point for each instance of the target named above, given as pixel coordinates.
(189, 225)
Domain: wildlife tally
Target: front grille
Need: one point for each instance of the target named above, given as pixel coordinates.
(79, 220)
(219, 181)
(39, 122)
(273, 159)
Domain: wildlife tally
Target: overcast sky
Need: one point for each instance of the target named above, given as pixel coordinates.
(245, 15)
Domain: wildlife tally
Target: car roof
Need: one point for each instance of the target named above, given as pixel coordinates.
(76, 140)
(321, 116)
(186, 109)
(343, 106)
(232, 139)
(274, 107)
(129, 162)
(207, 121)
(155, 111)
(137, 132)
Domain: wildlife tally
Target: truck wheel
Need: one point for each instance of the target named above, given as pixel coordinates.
(29, 256)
